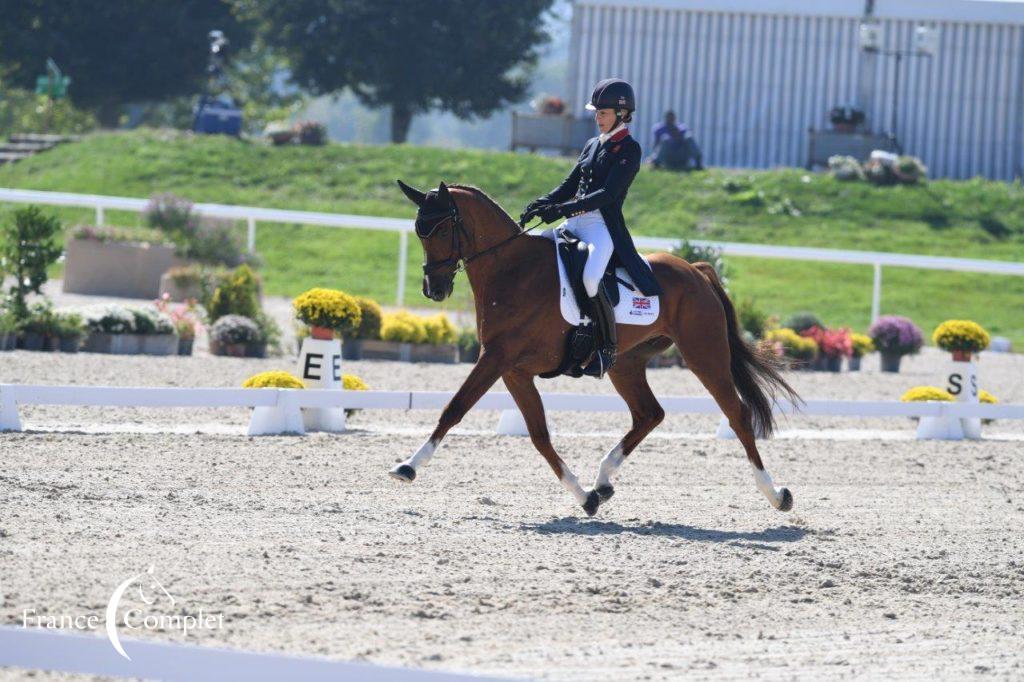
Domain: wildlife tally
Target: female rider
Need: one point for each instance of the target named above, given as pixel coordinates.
(591, 197)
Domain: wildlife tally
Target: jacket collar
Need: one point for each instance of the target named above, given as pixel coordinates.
(615, 135)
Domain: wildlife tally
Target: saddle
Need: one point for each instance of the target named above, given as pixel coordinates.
(581, 341)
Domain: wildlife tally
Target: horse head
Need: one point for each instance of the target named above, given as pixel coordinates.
(442, 234)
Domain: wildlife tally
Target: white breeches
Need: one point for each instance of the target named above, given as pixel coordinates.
(590, 228)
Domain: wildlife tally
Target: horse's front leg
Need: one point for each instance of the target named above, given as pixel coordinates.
(483, 375)
(528, 399)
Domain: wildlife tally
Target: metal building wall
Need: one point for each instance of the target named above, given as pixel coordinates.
(749, 85)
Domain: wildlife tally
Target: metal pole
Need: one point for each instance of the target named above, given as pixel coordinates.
(876, 294)
(403, 256)
(99, 215)
(251, 237)
(896, 101)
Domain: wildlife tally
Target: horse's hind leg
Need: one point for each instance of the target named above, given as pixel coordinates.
(629, 376)
(528, 399)
(704, 345)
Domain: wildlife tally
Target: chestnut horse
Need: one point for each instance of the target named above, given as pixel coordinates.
(514, 277)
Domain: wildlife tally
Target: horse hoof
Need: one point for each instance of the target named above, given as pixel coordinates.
(787, 500)
(605, 492)
(404, 473)
(592, 503)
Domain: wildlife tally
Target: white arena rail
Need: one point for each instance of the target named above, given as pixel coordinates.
(252, 214)
(293, 400)
(61, 651)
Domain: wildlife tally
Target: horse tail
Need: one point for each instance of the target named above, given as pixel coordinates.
(755, 369)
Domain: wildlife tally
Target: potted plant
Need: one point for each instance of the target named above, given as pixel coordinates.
(833, 346)
(327, 311)
(350, 382)
(895, 336)
(311, 132)
(280, 133)
(962, 338)
(370, 316)
(110, 329)
(845, 168)
(398, 332)
(800, 350)
(273, 379)
(38, 327)
(861, 345)
(70, 328)
(234, 335)
(157, 332)
(8, 330)
(187, 320)
(441, 342)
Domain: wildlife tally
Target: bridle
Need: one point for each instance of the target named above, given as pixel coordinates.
(456, 261)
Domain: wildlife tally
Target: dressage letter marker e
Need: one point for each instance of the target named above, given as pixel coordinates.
(320, 367)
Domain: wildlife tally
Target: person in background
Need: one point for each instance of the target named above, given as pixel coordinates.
(674, 148)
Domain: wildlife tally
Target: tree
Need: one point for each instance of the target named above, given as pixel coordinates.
(469, 57)
(28, 247)
(115, 51)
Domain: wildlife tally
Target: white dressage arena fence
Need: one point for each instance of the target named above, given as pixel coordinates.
(252, 214)
(279, 410)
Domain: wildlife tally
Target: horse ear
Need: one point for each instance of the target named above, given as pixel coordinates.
(414, 195)
(443, 195)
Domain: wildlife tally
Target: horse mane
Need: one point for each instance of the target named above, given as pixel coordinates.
(482, 195)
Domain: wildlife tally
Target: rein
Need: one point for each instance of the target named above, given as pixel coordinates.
(459, 227)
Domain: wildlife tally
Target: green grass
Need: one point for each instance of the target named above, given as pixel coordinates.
(975, 219)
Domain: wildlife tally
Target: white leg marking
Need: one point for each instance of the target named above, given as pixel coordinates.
(572, 484)
(767, 488)
(421, 457)
(610, 466)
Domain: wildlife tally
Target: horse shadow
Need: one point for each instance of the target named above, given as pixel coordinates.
(750, 539)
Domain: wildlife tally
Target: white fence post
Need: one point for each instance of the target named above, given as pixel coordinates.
(403, 257)
(251, 236)
(99, 215)
(876, 294)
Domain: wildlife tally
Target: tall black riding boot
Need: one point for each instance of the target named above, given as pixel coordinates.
(604, 325)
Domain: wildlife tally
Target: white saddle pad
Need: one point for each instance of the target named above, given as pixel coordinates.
(633, 307)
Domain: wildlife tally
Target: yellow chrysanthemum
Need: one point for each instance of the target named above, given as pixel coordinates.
(961, 335)
(404, 327)
(353, 383)
(986, 397)
(273, 380)
(794, 345)
(862, 344)
(328, 308)
(924, 393)
(440, 329)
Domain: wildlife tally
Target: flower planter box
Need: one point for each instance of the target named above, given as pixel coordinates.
(114, 344)
(32, 341)
(127, 269)
(159, 344)
(351, 349)
(4, 336)
(408, 352)
(69, 344)
(470, 354)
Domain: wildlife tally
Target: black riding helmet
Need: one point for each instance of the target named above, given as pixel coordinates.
(613, 93)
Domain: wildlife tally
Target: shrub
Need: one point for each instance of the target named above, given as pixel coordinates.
(845, 168)
(403, 326)
(186, 276)
(109, 319)
(28, 247)
(440, 330)
(7, 322)
(961, 335)
(752, 318)
(370, 319)
(923, 393)
(231, 329)
(216, 242)
(793, 345)
(328, 308)
(862, 344)
(467, 338)
(237, 293)
(276, 379)
(801, 322)
(173, 216)
(311, 132)
(186, 318)
(909, 170)
(696, 253)
(151, 321)
(895, 334)
(40, 319)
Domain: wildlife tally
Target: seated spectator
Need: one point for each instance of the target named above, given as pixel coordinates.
(674, 148)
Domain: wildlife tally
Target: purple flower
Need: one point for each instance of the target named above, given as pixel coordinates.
(895, 334)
